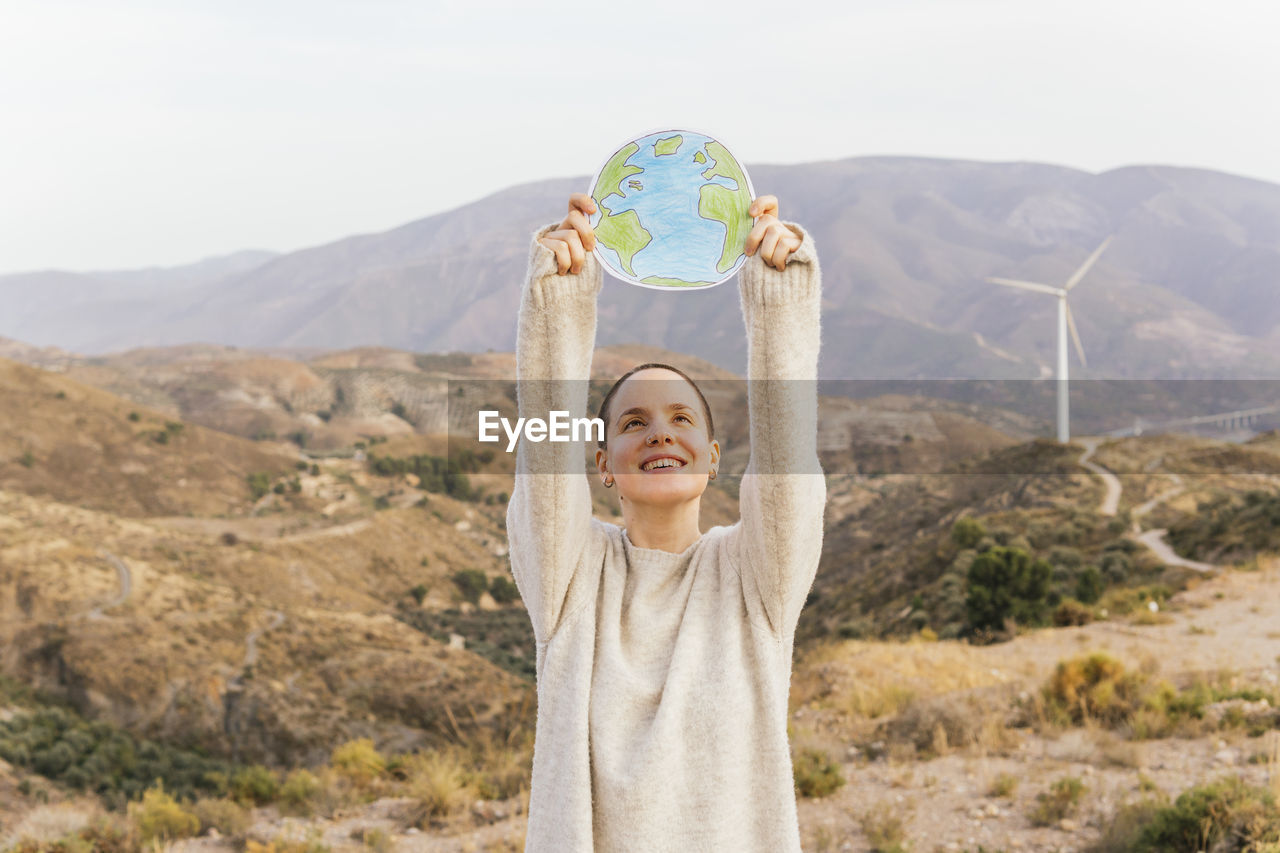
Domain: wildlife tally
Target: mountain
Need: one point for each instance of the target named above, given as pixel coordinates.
(91, 311)
(1186, 289)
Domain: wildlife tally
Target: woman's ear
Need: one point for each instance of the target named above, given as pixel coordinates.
(602, 462)
(715, 453)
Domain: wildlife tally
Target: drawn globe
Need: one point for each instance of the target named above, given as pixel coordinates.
(672, 211)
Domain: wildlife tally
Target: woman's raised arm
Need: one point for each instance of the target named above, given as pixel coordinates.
(783, 493)
(549, 516)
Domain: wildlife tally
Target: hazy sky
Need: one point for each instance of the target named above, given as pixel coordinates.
(155, 133)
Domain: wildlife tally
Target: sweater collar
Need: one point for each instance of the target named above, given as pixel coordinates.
(656, 555)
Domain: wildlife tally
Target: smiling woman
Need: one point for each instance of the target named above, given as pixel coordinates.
(663, 426)
(664, 653)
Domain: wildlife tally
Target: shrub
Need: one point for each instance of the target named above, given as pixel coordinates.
(158, 816)
(419, 592)
(1003, 785)
(967, 532)
(1071, 613)
(95, 757)
(1059, 801)
(1069, 558)
(1093, 686)
(299, 789)
(259, 484)
(885, 832)
(439, 781)
(1227, 814)
(816, 775)
(1090, 585)
(226, 816)
(503, 590)
(255, 785)
(358, 761)
(435, 473)
(1005, 583)
(938, 724)
(471, 583)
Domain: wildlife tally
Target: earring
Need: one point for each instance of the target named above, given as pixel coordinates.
(608, 483)
(713, 474)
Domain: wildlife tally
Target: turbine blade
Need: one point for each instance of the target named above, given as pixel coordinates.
(1075, 336)
(1084, 268)
(1027, 285)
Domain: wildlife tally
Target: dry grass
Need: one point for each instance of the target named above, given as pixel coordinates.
(1119, 752)
(1002, 785)
(50, 823)
(869, 680)
(884, 829)
(1273, 765)
(940, 724)
(441, 781)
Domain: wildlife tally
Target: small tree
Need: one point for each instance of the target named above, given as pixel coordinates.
(1090, 585)
(159, 816)
(503, 590)
(471, 583)
(967, 532)
(1005, 583)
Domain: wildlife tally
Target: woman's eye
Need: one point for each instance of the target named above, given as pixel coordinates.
(628, 424)
(685, 417)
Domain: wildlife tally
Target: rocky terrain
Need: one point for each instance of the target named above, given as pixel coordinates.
(268, 602)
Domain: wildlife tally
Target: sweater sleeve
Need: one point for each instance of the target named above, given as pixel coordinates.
(549, 514)
(783, 492)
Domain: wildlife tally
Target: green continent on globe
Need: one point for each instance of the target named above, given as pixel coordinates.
(615, 172)
(726, 206)
(673, 282)
(622, 233)
(699, 157)
(670, 145)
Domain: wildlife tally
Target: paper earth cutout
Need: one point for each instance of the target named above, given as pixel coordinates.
(672, 211)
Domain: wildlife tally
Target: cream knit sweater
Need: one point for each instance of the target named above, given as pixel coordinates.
(663, 678)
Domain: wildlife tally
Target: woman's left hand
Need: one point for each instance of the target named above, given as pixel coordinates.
(775, 241)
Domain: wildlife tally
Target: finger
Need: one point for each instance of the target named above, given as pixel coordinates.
(788, 245)
(770, 245)
(561, 250)
(755, 235)
(582, 202)
(577, 255)
(582, 226)
(780, 256)
(764, 205)
(563, 260)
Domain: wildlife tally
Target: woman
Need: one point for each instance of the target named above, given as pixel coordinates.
(663, 654)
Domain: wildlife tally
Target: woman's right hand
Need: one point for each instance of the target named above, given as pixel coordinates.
(574, 237)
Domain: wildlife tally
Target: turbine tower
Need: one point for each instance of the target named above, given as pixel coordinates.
(1065, 322)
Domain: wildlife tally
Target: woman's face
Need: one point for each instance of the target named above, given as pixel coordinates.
(657, 452)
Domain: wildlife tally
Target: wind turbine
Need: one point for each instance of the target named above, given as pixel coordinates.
(1065, 322)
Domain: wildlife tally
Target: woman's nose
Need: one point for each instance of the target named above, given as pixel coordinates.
(656, 437)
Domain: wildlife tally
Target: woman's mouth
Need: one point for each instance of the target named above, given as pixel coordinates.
(662, 464)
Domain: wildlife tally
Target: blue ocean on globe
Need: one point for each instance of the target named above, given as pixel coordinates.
(674, 210)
